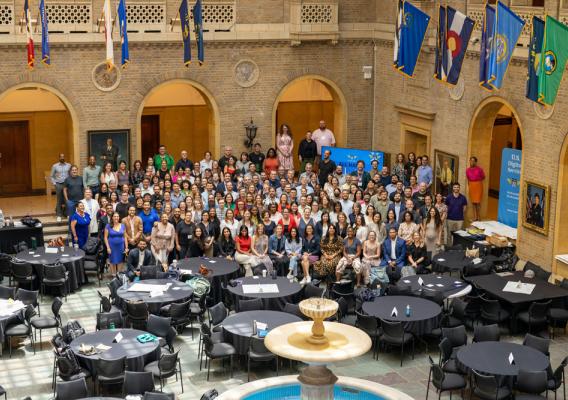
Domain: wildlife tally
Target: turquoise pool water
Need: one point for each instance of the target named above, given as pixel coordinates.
(292, 392)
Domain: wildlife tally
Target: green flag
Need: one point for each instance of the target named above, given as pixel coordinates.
(555, 54)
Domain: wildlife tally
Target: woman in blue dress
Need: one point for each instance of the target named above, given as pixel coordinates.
(80, 222)
(116, 243)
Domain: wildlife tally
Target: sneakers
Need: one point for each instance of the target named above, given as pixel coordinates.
(58, 219)
(290, 275)
(308, 279)
(303, 281)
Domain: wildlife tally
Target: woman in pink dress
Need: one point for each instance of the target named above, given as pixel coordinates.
(284, 146)
(475, 177)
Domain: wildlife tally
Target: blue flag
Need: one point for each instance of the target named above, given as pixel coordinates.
(508, 28)
(535, 52)
(198, 22)
(411, 35)
(454, 31)
(486, 43)
(45, 55)
(185, 30)
(123, 33)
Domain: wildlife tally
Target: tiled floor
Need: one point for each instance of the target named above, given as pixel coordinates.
(27, 374)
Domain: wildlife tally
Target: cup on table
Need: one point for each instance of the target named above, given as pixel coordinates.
(264, 273)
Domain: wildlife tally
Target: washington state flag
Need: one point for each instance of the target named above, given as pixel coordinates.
(554, 56)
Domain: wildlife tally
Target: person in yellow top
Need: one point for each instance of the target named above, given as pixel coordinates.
(446, 177)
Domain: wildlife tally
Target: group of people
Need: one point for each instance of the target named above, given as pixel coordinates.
(260, 212)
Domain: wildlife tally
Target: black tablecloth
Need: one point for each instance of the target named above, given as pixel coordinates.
(492, 358)
(237, 328)
(288, 292)
(137, 354)
(11, 236)
(220, 270)
(450, 287)
(178, 292)
(471, 241)
(453, 260)
(70, 257)
(424, 314)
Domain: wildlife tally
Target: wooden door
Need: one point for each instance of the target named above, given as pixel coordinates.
(15, 171)
(416, 143)
(150, 136)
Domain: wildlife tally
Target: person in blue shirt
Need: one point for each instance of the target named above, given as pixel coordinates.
(394, 255)
(424, 172)
(148, 217)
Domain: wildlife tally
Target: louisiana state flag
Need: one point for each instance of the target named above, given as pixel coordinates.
(486, 44)
(411, 32)
(535, 55)
(508, 28)
(454, 32)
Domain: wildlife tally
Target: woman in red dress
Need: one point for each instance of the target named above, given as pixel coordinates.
(475, 177)
(271, 161)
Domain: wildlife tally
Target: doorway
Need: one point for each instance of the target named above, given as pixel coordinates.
(416, 143)
(150, 136)
(15, 176)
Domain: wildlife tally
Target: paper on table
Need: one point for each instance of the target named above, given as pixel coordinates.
(144, 287)
(212, 262)
(266, 288)
(176, 288)
(477, 260)
(430, 285)
(51, 250)
(261, 326)
(31, 252)
(441, 259)
(519, 287)
(485, 242)
(511, 358)
(506, 273)
(255, 277)
(185, 271)
(36, 255)
(462, 233)
(118, 337)
(406, 281)
(103, 347)
(64, 255)
(439, 285)
(394, 312)
(156, 293)
(420, 281)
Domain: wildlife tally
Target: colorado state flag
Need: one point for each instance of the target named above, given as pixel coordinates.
(411, 32)
(508, 28)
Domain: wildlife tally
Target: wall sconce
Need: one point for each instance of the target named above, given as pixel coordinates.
(250, 129)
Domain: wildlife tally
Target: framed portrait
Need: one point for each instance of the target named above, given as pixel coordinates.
(445, 172)
(110, 146)
(536, 206)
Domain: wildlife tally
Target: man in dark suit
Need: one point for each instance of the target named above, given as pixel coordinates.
(138, 257)
(362, 177)
(397, 206)
(394, 255)
(110, 154)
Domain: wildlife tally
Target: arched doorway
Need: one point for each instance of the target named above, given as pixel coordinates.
(561, 222)
(494, 126)
(302, 103)
(37, 124)
(181, 115)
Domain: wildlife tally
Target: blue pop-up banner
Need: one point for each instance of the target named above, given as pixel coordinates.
(510, 185)
(348, 158)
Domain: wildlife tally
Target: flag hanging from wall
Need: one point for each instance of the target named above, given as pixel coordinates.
(125, 56)
(554, 56)
(198, 22)
(508, 28)
(486, 44)
(411, 33)
(107, 16)
(45, 54)
(29, 34)
(398, 26)
(454, 32)
(534, 58)
(185, 32)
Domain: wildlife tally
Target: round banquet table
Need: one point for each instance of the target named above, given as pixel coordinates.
(288, 292)
(452, 260)
(220, 270)
(237, 328)
(424, 316)
(450, 287)
(492, 358)
(137, 354)
(70, 257)
(178, 292)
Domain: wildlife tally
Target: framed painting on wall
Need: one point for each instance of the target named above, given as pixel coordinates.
(110, 146)
(445, 172)
(536, 206)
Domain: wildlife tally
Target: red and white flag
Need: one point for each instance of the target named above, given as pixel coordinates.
(107, 15)
(29, 33)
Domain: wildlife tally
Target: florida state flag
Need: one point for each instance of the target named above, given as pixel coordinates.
(28, 19)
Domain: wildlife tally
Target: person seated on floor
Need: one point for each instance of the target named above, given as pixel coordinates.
(417, 254)
(138, 257)
(351, 257)
(394, 255)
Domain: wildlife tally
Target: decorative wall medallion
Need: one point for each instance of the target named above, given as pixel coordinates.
(543, 112)
(104, 79)
(456, 92)
(246, 73)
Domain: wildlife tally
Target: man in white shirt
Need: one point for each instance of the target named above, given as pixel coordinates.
(91, 208)
(322, 137)
(346, 204)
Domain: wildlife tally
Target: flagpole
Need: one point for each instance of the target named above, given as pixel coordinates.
(173, 21)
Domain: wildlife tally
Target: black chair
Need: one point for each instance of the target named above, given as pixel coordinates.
(394, 335)
(137, 314)
(214, 351)
(148, 272)
(105, 304)
(456, 315)
(558, 313)
(55, 276)
(180, 315)
(137, 383)
(447, 357)
(486, 333)
(257, 351)
(537, 343)
(370, 325)
(110, 372)
(217, 315)
(531, 384)
(342, 310)
(557, 378)
(109, 320)
(488, 387)
(23, 329)
(167, 366)
(23, 273)
(311, 290)
(3, 393)
(113, 287)
(6, 267)
(433, 295)
(29, 298)
(67, 369)
(456, 335)
(492, 312)
(48, 322)
(71, 390)
(210, 395)
(161, 328)
(443, 381)
(205, 330)
(535, 316)
(159, 396)
(7, 292)
(197, 310)
(293, 309)
(250, 305)
(95, 263)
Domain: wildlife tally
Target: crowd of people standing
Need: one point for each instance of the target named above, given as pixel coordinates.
(256, 209)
